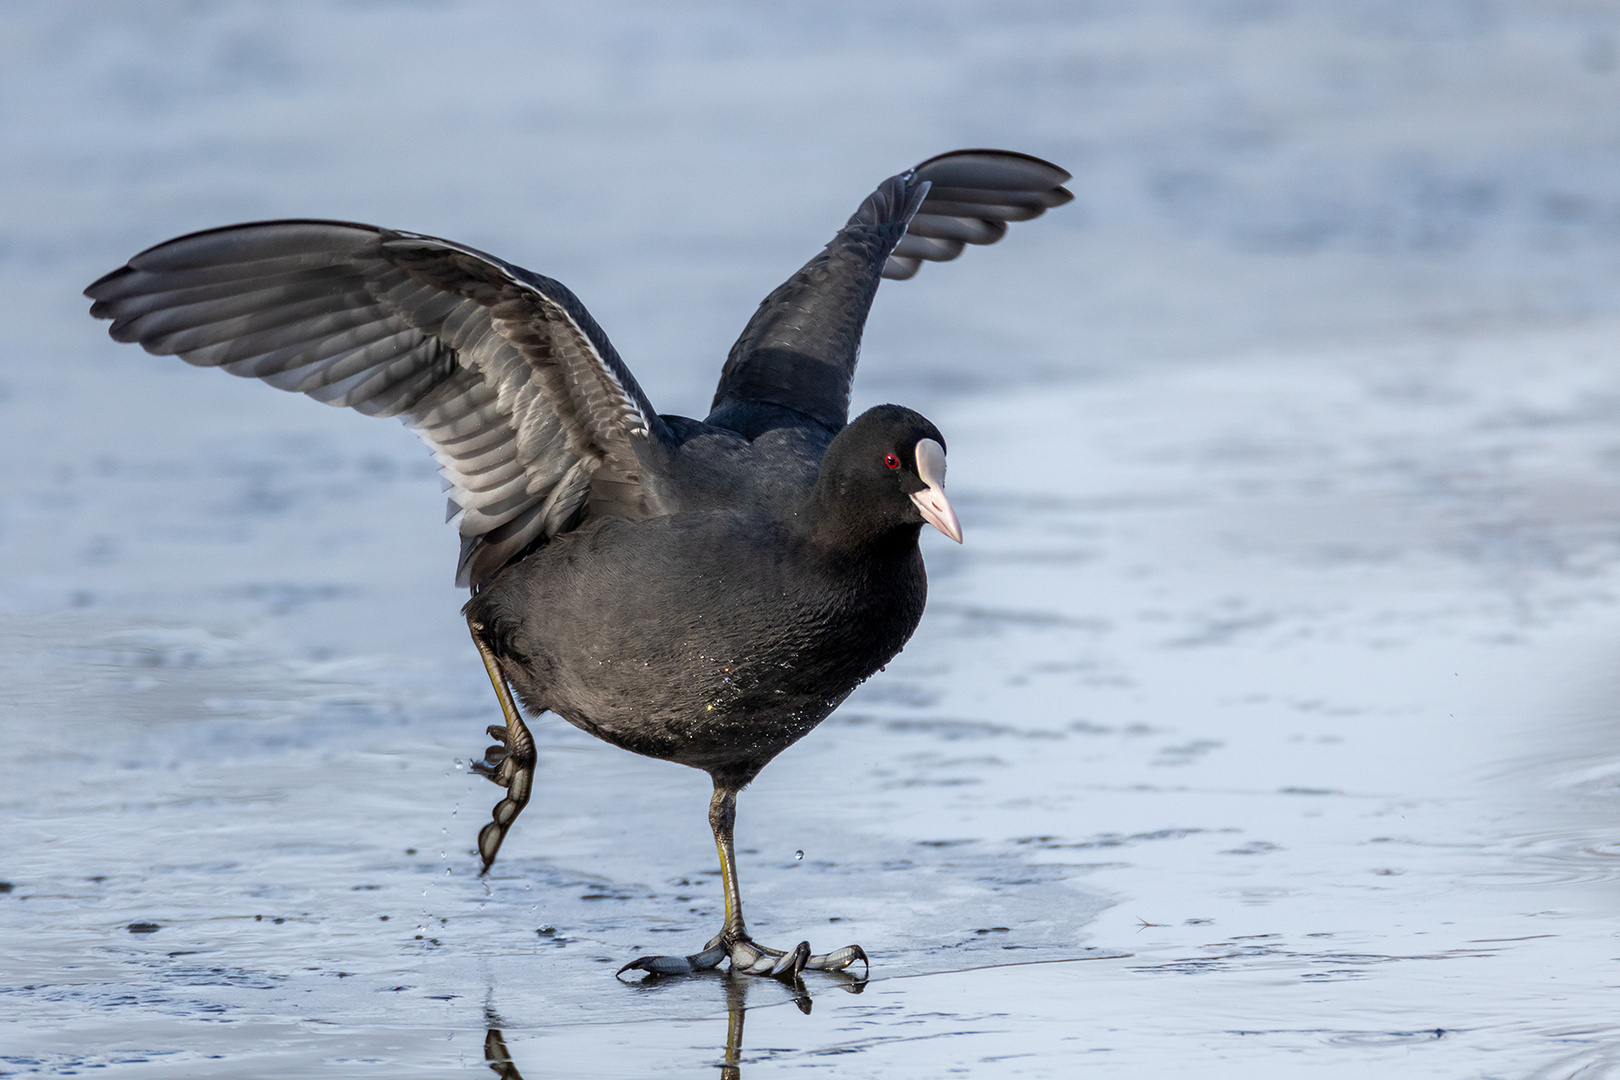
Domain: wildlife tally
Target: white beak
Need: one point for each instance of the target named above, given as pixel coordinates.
(931, 500)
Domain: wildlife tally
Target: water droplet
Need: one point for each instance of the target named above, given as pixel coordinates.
(798, 856)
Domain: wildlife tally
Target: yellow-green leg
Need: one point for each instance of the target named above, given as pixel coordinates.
(509, 763)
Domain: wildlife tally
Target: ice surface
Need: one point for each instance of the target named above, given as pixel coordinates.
(1264, 725)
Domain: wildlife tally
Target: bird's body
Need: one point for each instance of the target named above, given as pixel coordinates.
(681, 650)
(701, 591)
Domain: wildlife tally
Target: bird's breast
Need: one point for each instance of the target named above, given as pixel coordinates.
(708, 642)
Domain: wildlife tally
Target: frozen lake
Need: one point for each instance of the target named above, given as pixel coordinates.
(1266, 723)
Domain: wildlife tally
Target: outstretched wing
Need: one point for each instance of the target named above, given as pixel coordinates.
(530, 413)
(800, 348)
(972, 197)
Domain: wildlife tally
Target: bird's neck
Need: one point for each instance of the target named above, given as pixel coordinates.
(843, 524)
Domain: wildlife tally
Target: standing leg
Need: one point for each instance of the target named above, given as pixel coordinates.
(732, 942)
(746, 956)
(509, 763)
(723, 822)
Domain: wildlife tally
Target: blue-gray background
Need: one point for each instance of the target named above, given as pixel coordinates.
(1278, 657)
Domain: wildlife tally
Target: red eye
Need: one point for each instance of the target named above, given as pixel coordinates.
(891, 461)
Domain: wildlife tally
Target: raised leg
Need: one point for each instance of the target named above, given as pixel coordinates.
(732, 942)
(509, 763)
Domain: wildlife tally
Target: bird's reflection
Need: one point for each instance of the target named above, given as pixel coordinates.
(737, 988)
(496, 1055)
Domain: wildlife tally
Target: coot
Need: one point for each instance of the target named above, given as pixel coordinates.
(701, 591)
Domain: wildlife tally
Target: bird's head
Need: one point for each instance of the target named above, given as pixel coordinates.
(884, 473)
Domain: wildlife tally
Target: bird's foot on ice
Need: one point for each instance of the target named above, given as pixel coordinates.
(748, 957)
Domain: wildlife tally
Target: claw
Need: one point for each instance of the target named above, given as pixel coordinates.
(496, 758)
(839, 959)
(789, 966)
(660, 965)
(710, 957)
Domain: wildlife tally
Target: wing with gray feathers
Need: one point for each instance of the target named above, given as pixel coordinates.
(800, 348)
(530, 413)
(972, 197)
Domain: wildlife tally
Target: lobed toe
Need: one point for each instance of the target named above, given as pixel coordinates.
(839, 959)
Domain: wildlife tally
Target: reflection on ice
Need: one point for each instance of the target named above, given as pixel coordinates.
(737, 988)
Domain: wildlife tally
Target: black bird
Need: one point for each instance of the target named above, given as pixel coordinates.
(702, 591)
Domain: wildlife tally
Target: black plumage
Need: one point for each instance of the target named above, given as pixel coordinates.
(705, 592)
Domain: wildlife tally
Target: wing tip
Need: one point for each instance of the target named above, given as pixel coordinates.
(1034, 170)
(97, 289)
